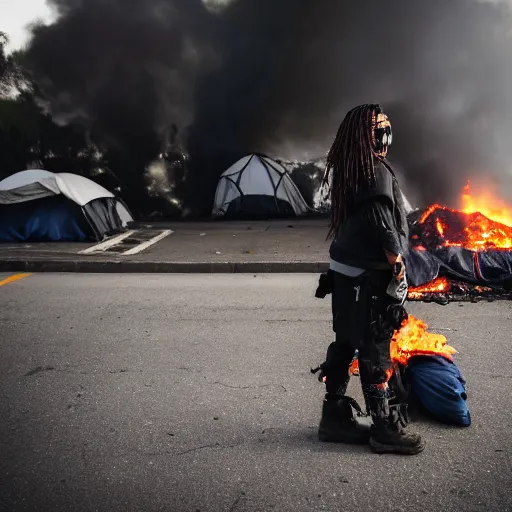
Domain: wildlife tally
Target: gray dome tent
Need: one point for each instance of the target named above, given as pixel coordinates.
(257, 186)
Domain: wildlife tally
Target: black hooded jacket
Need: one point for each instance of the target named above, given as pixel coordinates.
(376, 221)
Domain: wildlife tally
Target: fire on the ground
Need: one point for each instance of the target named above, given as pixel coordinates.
(483, 222)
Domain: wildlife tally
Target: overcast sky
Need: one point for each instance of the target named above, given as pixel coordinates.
(15, 15)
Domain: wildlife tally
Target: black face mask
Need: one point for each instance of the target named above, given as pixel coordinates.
(383, 138)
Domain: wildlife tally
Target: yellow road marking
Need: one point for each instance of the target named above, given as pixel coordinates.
(12, 279)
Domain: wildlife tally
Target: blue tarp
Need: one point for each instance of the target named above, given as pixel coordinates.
(441, 389)
(52, 219)
(494, 266)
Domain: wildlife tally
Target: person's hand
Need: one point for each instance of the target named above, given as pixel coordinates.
(400, 266)
(397, 263)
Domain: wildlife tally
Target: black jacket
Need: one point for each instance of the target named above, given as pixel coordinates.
(376, 221)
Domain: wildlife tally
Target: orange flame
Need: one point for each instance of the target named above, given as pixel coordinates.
(428, 212)
(440, 227)
(483, 233)
(354, 367)
(439, 285)
(413, 340)
(488, 222)
(486, 203)
(491, 220)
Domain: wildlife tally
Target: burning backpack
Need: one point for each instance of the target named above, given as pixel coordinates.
(440, 388)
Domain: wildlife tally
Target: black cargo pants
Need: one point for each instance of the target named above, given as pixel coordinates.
(362, 320)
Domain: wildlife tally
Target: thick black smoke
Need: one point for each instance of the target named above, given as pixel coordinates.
(441, 68)
(278, 75)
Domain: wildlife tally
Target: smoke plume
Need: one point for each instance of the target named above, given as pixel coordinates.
(277, 76)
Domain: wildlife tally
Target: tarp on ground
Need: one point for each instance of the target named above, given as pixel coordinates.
(441, 389)
(491, 267)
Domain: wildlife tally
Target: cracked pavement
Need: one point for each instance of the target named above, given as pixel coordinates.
(194, 393)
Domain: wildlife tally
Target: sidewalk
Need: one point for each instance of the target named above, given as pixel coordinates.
(293, 245)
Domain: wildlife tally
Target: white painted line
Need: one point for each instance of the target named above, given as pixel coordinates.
(108, 243)
(144, 245)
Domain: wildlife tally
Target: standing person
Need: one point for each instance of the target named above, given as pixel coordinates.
(369, 229)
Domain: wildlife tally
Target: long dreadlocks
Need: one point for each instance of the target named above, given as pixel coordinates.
(351, 161)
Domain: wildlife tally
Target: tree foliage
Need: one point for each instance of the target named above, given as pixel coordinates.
(28, 135)
(29, 138)
(5, 66)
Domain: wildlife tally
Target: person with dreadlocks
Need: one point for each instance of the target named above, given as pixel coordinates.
(369, 232)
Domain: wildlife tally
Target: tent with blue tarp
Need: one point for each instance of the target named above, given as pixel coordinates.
(40, 206)
(50, 219)
(440, 388)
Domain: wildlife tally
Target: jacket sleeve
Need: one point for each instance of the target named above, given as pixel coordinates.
(382, 223)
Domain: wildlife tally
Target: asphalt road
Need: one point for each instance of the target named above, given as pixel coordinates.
(193, 393)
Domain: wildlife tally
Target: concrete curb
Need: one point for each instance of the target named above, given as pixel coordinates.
(163, 267)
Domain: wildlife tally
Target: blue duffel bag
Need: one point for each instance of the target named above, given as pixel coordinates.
(440, 387)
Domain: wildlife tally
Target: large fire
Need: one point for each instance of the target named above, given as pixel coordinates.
(483, 222)
(487, 203)
(413, 339)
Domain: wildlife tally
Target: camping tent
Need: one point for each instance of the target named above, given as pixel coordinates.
(257, 186)
(38, 205)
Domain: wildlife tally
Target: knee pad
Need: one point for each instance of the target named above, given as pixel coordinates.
(372, 373)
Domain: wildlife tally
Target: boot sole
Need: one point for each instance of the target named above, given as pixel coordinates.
(401, 450)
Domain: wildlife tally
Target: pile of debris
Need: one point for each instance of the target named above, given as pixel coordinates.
(457, 255)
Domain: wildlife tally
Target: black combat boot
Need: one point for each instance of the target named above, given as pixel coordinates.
(388, 433)
(338, 424)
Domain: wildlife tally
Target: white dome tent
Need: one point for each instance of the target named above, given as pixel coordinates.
(38, 205)
(257, 186)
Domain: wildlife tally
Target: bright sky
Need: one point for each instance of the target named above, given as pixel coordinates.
(15, 15)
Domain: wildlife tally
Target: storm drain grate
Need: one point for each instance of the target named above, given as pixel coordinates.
(129, 243)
